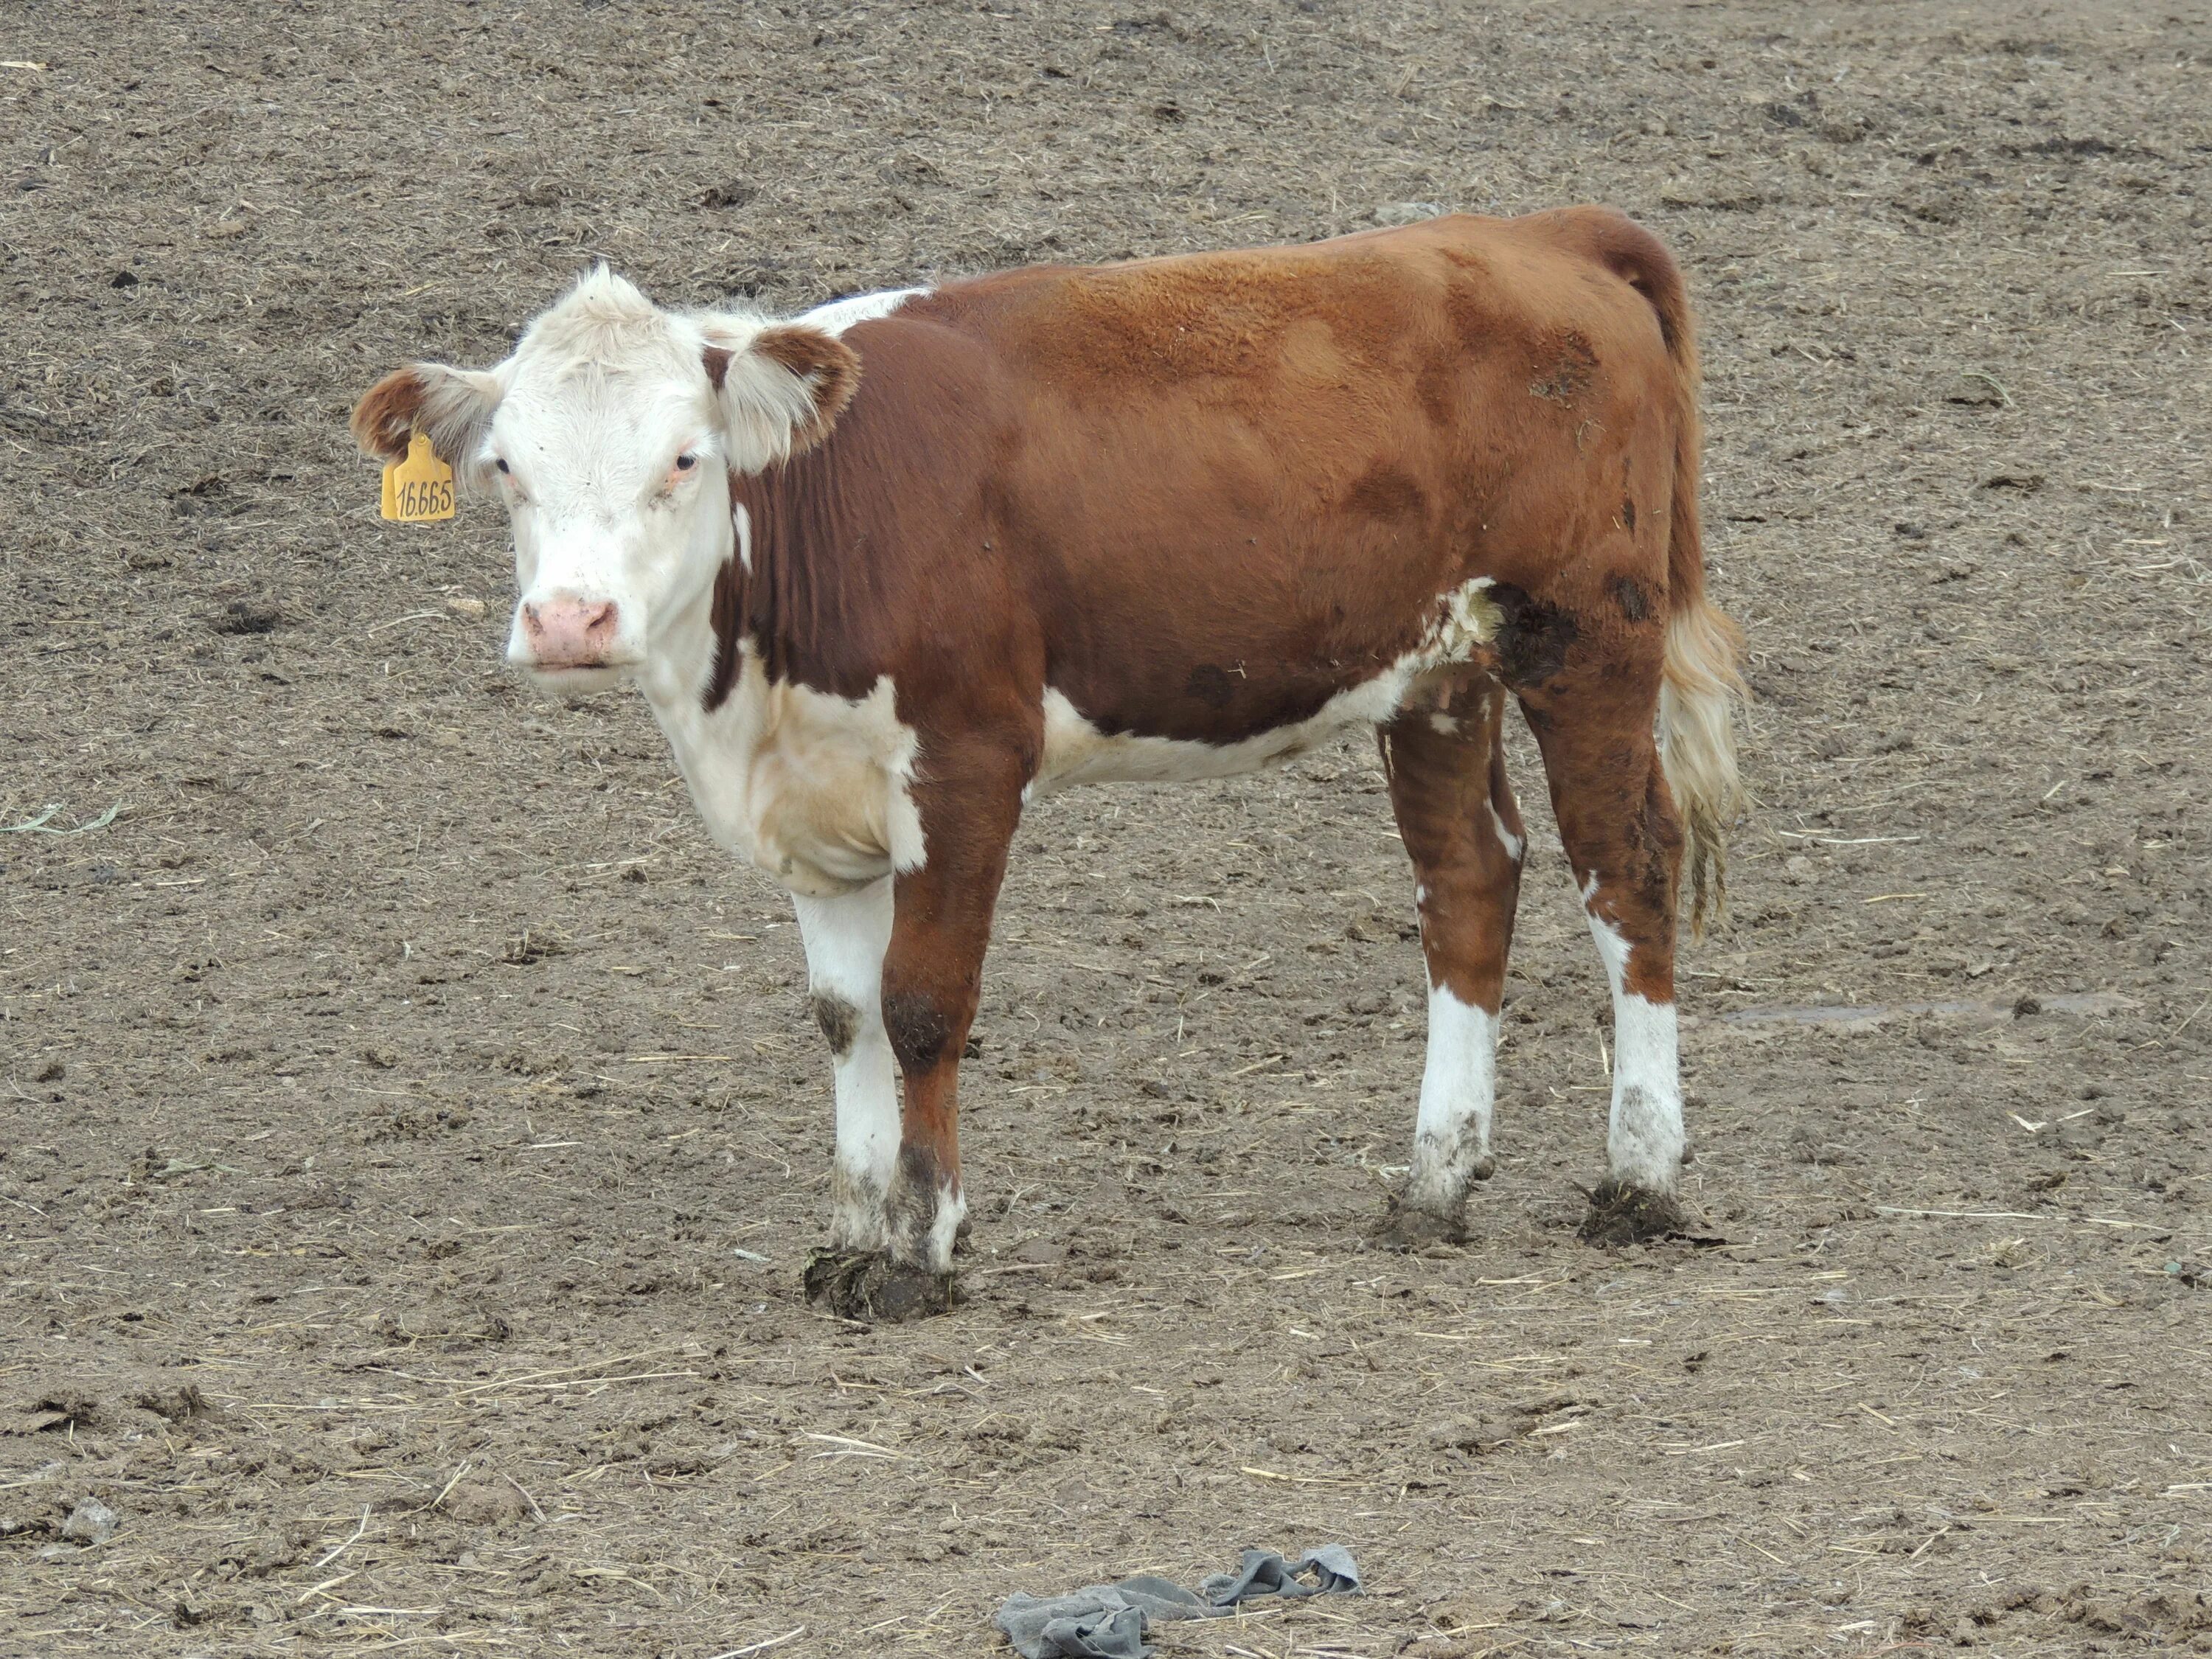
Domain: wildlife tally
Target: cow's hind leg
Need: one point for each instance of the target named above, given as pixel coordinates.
(1623, 841)
(1462, 829)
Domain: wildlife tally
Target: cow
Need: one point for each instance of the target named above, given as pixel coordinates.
(889, 570)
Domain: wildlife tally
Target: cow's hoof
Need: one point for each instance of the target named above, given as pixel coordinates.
(1621, 1214)
(871, 1287)
(1405, 1228)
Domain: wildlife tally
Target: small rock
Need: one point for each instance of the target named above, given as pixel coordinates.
(91, 1523)
(1471, 1434)
(1408, 213)
(462, 605)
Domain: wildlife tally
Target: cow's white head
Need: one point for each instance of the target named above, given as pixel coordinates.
(609, 435)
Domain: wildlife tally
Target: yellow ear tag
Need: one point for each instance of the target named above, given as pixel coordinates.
(420, 489)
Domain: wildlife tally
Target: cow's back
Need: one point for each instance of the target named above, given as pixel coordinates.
(1231, 486)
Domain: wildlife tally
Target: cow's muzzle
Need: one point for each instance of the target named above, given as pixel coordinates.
(566, 631)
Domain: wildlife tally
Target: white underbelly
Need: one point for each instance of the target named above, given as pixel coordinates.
(1076, 751)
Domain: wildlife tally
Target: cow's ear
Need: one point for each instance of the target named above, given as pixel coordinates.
(781, 389)
(451, 407)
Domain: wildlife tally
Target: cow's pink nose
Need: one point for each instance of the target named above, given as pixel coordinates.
(567, 632)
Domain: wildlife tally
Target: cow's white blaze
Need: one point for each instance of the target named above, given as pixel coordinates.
(1459, 1088)
(610, 450)
(610, 444)
(847, 936)
(1643, 1136)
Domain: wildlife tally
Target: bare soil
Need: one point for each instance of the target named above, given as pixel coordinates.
(413, 1134)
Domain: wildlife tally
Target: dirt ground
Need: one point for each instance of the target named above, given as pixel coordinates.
(413, 1131)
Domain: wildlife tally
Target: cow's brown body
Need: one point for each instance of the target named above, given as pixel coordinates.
(1190, 502)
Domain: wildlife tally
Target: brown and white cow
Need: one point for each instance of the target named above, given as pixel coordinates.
(889, 569)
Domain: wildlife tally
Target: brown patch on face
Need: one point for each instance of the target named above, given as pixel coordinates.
(830, 368)
(384, 418)
(1565, 368)
(1628, 593)
(1533, 642)
(1209, 683)
(1384, 492)
(839, 1021)
(717, 360)
(918, 1029)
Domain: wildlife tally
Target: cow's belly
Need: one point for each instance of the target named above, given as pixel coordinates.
(1078, 751)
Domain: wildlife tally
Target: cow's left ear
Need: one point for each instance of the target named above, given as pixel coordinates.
(781, 389)
(451, 407)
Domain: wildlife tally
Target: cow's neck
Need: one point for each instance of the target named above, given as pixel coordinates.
(834, 820)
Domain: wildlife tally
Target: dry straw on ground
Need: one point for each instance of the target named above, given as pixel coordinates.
(412, 1131)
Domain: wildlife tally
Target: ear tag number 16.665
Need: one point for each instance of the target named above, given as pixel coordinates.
(419, 489)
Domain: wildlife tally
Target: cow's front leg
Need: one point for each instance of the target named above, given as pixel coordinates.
(846, 937)
(933, 969)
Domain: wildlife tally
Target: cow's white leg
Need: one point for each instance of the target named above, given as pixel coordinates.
(846, 940)
(1595, 721)
(1643, 1137)
(1461, 829)
(1459, 1086)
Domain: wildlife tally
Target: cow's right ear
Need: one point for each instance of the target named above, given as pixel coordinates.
(451, 407)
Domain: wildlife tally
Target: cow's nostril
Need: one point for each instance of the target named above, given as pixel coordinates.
(532, 621)
(602, 618)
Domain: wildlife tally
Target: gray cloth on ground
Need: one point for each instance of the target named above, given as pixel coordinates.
(1107, 1621)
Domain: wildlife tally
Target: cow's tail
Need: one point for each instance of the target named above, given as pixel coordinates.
(1701, 685)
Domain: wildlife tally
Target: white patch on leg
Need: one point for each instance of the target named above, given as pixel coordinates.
(1512, 843)
(1644, 1142)
(1459, 1086)
(847, 936)
(1643, 1137)
(951, 1211)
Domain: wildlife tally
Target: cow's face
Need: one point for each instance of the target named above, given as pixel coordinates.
(609, 435)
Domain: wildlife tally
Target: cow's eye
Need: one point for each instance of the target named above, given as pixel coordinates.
(501, 463)
(685, 463)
